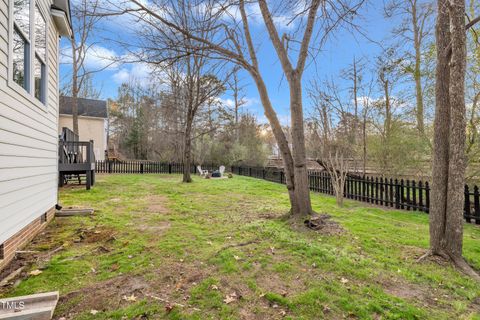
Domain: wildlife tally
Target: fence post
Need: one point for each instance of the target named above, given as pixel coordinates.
(466, 207)
(109, 166)
(382, 191)
(427, 197)
(414, 195)
(263, 173)
(420, 197)
(402, 194)
(363, 189)
(476, 204)
(169, 168)
(141, 168)
(397, 195)
(408, 195)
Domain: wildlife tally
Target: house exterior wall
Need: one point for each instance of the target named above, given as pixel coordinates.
(89, 128)
(28, 139)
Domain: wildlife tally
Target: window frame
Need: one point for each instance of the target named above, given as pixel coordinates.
(42, 60)
(29, 92)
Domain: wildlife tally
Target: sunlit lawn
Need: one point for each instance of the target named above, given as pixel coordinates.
(222, 249)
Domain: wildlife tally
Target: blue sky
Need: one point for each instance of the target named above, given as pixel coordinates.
(337, 54)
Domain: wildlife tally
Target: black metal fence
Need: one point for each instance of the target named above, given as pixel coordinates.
(400, 194)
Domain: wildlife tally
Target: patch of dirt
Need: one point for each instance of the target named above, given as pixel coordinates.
(157, 227)
(168, 285)
(425, 296)
(414, 253)
(107, 295)
(408, 291)
(73, 185)
(271, 282)
(156, 204)
(324, 224)
(95, 235)
(39, 251)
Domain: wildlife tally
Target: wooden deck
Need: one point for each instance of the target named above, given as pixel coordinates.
(75, 158)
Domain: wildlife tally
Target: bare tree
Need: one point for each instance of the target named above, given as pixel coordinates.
(232, 40)
(366, 104)
(448, 172)
(195, 85)
(236, 88)
(85, 21)
(336, 124)
(414, 29)
(337, 166)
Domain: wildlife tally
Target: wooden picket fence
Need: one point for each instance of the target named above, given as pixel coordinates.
(134, 166)
(400, 194)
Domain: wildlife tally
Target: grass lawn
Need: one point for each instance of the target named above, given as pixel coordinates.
(222, 249)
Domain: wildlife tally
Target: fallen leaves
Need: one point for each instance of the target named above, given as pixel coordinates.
(230, 298)
(35, 272)
(131, 298)
(344, 280)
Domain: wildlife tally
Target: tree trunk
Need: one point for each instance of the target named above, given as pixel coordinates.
(364, 135)
(417, 72)
(301, 183)
(280, 138)
(187, 151)
(439, 199)
(456, 168)
(449, 161)
(388, 110)
(75, 88)
(339, 198)
(355, 101)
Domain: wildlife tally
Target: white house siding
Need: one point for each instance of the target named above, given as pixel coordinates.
(28, 138)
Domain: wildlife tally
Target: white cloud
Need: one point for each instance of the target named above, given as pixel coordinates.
(254, 14)
(97, 57)
(247, 102)
(121, 76)
(138, 72)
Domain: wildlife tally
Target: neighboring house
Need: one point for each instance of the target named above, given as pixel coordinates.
(29, 68)
(92, 122)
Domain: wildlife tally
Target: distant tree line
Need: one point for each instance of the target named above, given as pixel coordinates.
(148, 122)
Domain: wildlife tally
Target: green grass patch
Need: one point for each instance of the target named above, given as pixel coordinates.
(214, 238)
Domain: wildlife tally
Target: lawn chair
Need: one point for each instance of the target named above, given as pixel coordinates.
(222, 170)
(202, 173)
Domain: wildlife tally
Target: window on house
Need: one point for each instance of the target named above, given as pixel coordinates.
(21, 12)
(21, 42)
(40, 55)
(29, 46)
(20, 57)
